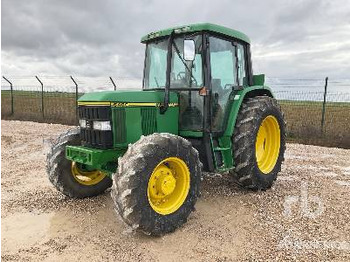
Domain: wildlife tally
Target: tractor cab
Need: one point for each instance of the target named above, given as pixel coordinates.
(206, 62)
(206, 65)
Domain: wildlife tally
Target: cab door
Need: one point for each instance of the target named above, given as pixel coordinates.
(228, 72)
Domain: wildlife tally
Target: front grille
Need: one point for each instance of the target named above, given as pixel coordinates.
(119, 125)
(89, 136)
(95, 112)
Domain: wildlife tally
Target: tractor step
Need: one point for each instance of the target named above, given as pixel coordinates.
(221, 148)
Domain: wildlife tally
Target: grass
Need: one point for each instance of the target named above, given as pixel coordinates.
(303, 117)
(58, 107)
(304, 123)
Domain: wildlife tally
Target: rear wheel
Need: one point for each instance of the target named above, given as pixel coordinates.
(71, 178)
(258, 143)
(157, 183)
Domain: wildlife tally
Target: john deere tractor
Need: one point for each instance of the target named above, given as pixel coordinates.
(200, 109)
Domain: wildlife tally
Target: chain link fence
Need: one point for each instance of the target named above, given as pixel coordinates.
(317, 111)
(311, 121)
(314, 115)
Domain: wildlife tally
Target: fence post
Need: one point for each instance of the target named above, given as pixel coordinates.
(11, 92)
(115, 87)
(324, 105)
(42, 95)
(76, 97)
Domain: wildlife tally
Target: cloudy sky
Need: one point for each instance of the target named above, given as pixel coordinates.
(290, 38)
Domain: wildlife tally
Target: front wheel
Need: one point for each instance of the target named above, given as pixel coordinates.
(157, 183)
(73, 179)
(258, 143)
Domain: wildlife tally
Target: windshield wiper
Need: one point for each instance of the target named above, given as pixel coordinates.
(155, 79)
(171, 42)
(164, 107)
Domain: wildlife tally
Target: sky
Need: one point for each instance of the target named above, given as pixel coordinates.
(290, 39)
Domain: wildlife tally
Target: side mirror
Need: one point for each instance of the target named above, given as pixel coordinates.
(189, 50)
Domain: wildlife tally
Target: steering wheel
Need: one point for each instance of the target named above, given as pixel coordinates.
(182, 76)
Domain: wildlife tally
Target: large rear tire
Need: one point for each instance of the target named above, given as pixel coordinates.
(157, 183)
(70, 178)
(258, 143)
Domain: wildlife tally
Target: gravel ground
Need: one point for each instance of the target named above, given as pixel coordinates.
(304, 217)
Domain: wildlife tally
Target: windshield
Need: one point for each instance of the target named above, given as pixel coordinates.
(184, 73)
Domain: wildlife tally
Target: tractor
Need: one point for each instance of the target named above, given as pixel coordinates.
(200, 109)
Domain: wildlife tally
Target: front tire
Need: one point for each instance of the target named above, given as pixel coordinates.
(71, 178)
(157, 183)
(259, 143)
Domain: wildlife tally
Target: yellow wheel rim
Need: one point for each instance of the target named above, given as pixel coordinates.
(267, 145)
(87, 178)
(168, 185)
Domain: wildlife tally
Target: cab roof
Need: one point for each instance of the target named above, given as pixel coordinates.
(197, 28)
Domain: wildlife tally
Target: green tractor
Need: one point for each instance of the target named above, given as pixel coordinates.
(200, 109)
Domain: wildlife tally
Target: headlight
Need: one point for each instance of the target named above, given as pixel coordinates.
(82, 123)
(101, 125)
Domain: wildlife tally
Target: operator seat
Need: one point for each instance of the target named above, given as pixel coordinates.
(217, 112)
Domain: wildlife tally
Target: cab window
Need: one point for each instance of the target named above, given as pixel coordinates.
(241, 65)
(223, 78)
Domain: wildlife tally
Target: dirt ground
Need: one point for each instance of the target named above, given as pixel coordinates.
(304, 217)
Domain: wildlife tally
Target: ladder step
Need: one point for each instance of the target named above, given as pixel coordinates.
(221, 148)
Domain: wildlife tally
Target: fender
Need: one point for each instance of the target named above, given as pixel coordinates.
(238, 99)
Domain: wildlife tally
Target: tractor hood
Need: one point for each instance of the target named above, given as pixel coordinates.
(128, 96)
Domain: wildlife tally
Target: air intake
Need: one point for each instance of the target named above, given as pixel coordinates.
(149, 121)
